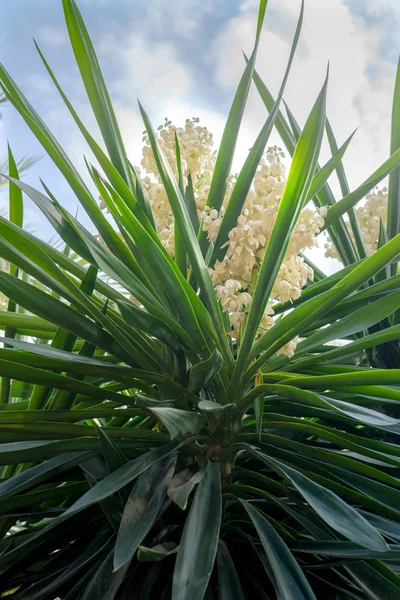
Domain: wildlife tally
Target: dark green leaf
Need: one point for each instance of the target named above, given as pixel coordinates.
(179, 422)
(121, 477)
(142, 507)
(198, 546)
(290, 580)
(229, 585)
(201, 373)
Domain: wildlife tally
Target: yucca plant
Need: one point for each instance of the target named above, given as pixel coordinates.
(178, 435)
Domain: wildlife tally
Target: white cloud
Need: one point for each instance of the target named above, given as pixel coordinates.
(144, 68)
(153, 72)
(180, 18)
(383, 15)
(355, 98)
(53, 35)
(142, 63)
(331, 33)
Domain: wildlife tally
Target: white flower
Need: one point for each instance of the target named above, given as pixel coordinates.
(289, 348)
(277, 169)
(323, 211)
(234, 276)
(369, 217)
(211, 223)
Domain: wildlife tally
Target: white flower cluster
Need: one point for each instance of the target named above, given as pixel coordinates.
(369, 217)
(234, 277)
(211, 220)
(196, 145)
(197, 158)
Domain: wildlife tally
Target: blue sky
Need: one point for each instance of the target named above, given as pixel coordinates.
(183, 58)
(383, 15)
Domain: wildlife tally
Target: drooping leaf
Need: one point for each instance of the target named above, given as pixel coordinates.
(291, 582)
(182, 485)
(156, 553)
(201, 373)
(121, 477)
(229, 585)
(179, 422)
(198, 546)
(333, 510)
(142, 507)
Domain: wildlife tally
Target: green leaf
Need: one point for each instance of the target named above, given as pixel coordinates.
(229, 585)
(182, 485)
(59, 258)
(191, 205)
(357, 321)
(281, 124)
(324, 173)
(343, 550)
(307, 313)
(63, 316)
(189, 238)
(259, 413)
(373, 377)
(145, 402)
(295, 193)
(179, 422)
(95, 86)
(142, 507)
(375, 580)
(112, 455)
(198, 546)
(179, 246)
(104, 583)
(354, 411)
(156, 553)
(54, 358)
(246, 175)
(290, 579)
(201, 373)
(61, 225)
(120, 179)
(40, 473)
(40, 590)
(339, 233)
(148, 323)
(223, 165)
(15, 370)
(332, 509)
(341, 207)
(369, 341)
(340, 172)
(393, 210)
(28, 324)
(16, 206)
(60, 158)
(121, 477)
(142, 198)
(16, 216)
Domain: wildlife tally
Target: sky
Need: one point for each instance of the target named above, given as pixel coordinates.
(183, 58)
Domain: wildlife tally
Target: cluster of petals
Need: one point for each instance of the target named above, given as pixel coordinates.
(211, 222)
(248, 240)
(235, 275)
(369, 216)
